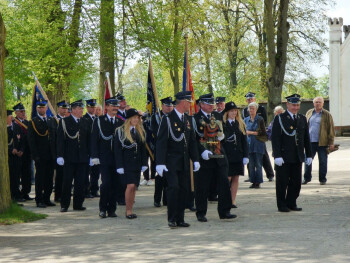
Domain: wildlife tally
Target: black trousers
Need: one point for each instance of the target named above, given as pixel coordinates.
(288, 184)
(108, 188)
(14, 176)
(202, 188)
(76, 172)
(58, 182)
(43, 180)
(94, 176)
(160, 190)
(267, 165)
(151, 169)
(26, 175)
(177, 191)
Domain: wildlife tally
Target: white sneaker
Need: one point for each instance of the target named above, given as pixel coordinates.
(144, 182)
(150, 182)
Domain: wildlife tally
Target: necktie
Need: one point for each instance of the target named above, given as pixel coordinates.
(78, 120)
(294, 116)
(208, 116)
(44, 118)
(112, 120)
(182, 118)
(132, 130)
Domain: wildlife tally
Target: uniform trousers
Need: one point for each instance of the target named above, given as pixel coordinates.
(14, 176)
(160, 190)
(202, 188)
(58, 182)
(288, 184)
(26, 175)
(76, 172)
(94, 176)
(108, 188)
(176, 194)
(267, 165)
(43, 180)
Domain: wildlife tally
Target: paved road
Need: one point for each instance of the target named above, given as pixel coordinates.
(320, 233)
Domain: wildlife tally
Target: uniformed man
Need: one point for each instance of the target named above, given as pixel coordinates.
(250, 97)
(210, 167)
(175, 146)
(290, 144)
(41, 150)
(23, 160)
(103, 130)
(73, 146)
(62, 109)
(160, 182)
(92, 172)
(220, 104)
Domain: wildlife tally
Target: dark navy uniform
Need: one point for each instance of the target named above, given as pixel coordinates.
(42, 153)
(73, 145)
(121, 185)
(291, 142)
(102, 137)
(176, 145)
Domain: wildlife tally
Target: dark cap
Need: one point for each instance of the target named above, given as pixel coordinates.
(63, 104)
(91, 103)
(9, 112)
(184, 95)
(230, 106)
(119, 96)
(78, 103)
(41, 103)
(18, 107)
(112, 101)
(132, 112)
(207, 99)
(219, 99)
(249, 95)
(168, 101)
(294, 99)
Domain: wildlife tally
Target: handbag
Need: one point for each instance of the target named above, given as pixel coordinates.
(262, 135)
(336, 148)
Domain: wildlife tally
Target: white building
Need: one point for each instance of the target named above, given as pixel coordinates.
(339, 74)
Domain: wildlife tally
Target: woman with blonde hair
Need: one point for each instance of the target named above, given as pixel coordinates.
(235, 145)
(130, 156)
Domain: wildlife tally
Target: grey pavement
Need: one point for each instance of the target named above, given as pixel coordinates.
(320, 233)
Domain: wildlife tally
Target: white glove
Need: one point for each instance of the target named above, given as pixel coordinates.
(144, 168)
(91, 163)
(205, 155)
(160, 169)
(95, 161)
(308, 161)
(220, 138)
(279, 161)
(120, 170)
(245, 161)
(60, 161)
(196, 166)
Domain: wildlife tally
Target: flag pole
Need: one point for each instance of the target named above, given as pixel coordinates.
(188, 88)
(152, 79)
(44, 95)
(109, 84)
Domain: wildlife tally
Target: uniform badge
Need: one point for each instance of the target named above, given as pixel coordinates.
(291, 127)
(105, 118)
(179, 129)
(18, 136)
(175, 124)
(201, 128)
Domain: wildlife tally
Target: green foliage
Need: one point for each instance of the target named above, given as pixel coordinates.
(16, 214)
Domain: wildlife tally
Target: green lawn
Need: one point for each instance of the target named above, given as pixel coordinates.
(16, 214)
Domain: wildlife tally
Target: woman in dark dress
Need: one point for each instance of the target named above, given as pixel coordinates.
(130, 155)
(235, 145)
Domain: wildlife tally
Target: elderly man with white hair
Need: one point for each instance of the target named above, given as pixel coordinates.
(321, 130)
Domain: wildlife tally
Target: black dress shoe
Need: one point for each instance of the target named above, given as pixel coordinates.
(102, 214)
(322, 183)
(228, 215)
(63, 210)
(112, 214)
(202, 219)
(183, 224)
(213, 199)
(192, 209)
(27, 198)
(95, 194)
(246, 180)
(295, 208)
(252, 186)
(172, 224)
(81, 208)
(305, 182)
(270, 179)
(156, 204)
(58, 200)
(234, 206)
(41, 205)
(49, 203)
(131, 216)
(89, 196)
(122, 203)
(20, 199)
(283, 209)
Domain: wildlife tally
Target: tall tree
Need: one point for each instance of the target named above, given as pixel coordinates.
(5, 196)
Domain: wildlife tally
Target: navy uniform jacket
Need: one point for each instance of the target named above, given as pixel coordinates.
(20, 130)
(176, 154)
(89, 121)
(129, 156)
(73, 150)
(11, 139)
(39, 139)
(235, 142)
(260, 112)
(291, 148)
(100, 147)
(199, 134)
(53, 125)
(155, 124)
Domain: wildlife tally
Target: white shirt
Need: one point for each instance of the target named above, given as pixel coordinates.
(75, 118)
(179, 114)
(91, 116)
(205, 114)
(230, 121)
(291, 114)
(42, 117)
(109, 118)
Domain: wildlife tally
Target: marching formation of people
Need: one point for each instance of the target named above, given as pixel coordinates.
(204, 153)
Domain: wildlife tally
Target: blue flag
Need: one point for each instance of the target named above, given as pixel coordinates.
(36, 96)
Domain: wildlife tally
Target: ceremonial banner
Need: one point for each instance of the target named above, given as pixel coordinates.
(108, 92)
(37, 95)
(187, 84)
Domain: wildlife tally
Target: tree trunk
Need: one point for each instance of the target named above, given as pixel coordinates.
(277, 52)
(107, 45)
(176, 45)
(208, 69)
(5, 195)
